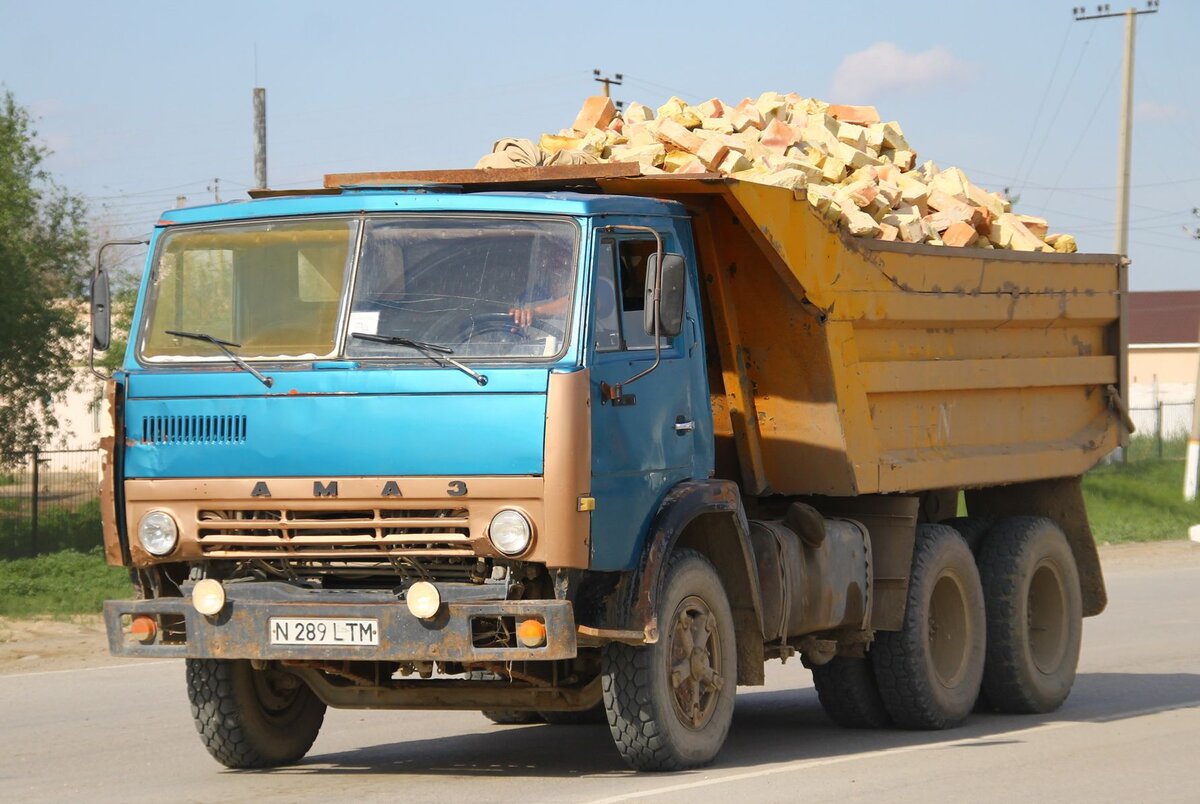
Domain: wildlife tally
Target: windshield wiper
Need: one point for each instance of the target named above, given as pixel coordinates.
(223, 346)
(436, 352)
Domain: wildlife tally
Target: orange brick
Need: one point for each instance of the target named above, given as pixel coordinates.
(597, 112)
(863, 115)
(672, 133)
(779, 136)
(711, 108)
(960, 234)
(712, 153)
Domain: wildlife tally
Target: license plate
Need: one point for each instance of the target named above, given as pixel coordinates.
(323, 631)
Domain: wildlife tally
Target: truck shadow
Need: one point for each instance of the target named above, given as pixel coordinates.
(769, 727)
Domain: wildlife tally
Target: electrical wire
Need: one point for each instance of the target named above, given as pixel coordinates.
(1046, 94)
(1082, 133)
(1057, 109)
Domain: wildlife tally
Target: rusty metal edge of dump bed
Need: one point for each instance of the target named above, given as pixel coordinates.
(589, 177)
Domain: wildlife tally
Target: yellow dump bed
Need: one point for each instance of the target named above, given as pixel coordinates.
(845, 366)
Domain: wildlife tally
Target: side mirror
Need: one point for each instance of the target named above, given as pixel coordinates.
(101, 314)
(672, 290)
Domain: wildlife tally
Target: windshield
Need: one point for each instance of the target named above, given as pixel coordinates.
(268, 289)
(471, 286)
(480, 287)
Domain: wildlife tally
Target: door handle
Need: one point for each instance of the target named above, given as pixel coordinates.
(683, 425)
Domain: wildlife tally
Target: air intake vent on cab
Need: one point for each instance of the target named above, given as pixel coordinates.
(194, 429)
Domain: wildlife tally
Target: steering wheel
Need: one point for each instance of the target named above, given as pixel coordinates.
(486, 323)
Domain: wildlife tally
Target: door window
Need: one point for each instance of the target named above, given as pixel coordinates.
(621, 295)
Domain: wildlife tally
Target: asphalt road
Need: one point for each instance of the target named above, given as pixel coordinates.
(1129, 732)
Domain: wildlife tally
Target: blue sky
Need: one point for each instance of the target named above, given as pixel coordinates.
(143, 101)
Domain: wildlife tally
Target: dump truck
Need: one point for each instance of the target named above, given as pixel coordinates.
(576, 443)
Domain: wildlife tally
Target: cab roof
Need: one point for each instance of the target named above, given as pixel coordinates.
(438, 198)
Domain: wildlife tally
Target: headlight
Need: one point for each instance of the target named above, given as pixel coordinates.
(158, 533)
(510, 532)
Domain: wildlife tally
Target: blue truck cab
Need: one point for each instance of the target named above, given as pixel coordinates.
(393, 431)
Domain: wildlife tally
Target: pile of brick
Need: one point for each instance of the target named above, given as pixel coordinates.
(851, 166)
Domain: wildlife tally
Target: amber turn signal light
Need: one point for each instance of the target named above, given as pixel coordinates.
(531, 633)
(143, 629)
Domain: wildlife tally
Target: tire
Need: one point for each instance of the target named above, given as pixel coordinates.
(929, 672)
(849, 695)
(504, 717)
(972, 529)
(585, 717)
(659, 725)
(251, 718)
(1034, 616)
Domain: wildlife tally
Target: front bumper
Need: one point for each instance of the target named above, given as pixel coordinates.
(241, 630)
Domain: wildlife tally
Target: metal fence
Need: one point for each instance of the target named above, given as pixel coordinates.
(1162, 431)
(49, 500)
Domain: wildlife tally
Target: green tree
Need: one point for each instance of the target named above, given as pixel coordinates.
(43, 263)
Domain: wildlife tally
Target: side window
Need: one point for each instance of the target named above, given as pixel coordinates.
(632, 257)
(607, 333)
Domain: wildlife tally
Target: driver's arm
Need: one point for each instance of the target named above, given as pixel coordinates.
(552, 308)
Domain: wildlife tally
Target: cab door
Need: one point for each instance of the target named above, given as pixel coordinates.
(642, 444)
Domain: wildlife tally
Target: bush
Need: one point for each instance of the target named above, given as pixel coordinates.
(59, 528)
(63, 583)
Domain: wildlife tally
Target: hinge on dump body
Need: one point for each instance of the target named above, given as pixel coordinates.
(1120, 408)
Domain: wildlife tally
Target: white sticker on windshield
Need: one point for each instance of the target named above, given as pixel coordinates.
(364, 321)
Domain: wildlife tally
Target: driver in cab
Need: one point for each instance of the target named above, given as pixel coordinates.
(549, 293)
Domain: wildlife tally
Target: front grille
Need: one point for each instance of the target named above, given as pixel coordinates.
(339, 534)
(194, 429)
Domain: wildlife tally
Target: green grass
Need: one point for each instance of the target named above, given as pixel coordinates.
(1139, 501)
(60, 584)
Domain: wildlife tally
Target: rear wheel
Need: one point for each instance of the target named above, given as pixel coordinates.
(972, 529)
(669, 704)
(1034, 615)
(251, 718)
(929, 672)
(848, 693)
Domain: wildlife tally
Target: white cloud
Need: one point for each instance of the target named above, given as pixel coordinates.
(1155, 112)
(884, 67)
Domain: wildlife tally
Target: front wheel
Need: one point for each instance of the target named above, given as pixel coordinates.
(669, 705)
(251, 718)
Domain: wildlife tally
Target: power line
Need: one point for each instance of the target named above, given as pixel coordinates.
(1042, 103)
(1057, 110)
(1125, 137)
(1082, 133)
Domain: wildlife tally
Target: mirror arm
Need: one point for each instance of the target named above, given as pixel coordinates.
(92, 319)
(614, 392)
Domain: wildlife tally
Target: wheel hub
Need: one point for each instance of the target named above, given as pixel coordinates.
(695, 663)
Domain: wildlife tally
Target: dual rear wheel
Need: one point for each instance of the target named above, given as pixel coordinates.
(997, 622)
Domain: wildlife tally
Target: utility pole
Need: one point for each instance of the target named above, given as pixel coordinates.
(180, 201)
(616, 80)
(260, 138)
(1125, 145)
(215, 189)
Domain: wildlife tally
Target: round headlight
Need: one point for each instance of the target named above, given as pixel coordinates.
(510, 532)
(158, 533)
